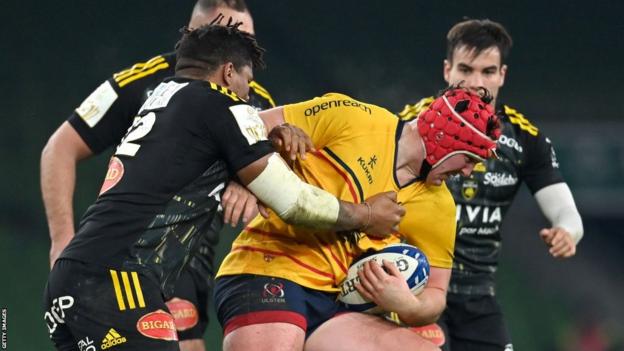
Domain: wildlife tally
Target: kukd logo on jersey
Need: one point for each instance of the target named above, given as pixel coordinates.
(368, 166)
(497, 179)
(273, 293)
(56, 314)
(469, 189)
(509, 142)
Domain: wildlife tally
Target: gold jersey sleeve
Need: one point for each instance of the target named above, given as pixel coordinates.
(356, 155)
(410, 112)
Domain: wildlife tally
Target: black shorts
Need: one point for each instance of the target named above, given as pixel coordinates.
(88, 308)
(474, 323)
(189, 305)
(248, 299)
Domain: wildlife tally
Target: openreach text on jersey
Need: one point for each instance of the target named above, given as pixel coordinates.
(312, 111)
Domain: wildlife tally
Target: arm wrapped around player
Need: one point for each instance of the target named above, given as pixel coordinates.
(299, 203)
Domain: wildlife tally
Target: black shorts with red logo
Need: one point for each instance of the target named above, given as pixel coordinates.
(89, 308)
(189, 306)
(249, 299)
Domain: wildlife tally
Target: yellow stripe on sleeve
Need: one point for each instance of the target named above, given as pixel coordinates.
(142, 74)
(138, 68)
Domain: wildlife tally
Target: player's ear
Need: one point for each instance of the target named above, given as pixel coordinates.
(228, 73)
(446, 70)
(503, 72)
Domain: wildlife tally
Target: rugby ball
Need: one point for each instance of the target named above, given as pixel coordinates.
(411, 262)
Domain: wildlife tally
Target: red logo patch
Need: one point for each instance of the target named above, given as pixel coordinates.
(273, 290)
(184, 313)
(431, 332)
(113, 175)
(158, 325)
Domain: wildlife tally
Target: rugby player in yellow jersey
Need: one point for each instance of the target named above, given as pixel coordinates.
(279, 283)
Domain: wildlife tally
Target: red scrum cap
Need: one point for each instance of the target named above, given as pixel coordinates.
(459, 121)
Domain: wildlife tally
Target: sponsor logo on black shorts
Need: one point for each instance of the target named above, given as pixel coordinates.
(86, 344)
(56, 314)
(158, 325)
(273, 293)
(112, 338)
(184, 313)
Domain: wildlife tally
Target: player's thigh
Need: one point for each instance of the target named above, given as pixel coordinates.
(363, 332)
(249, 305)
(193, 345)
(265, 337)
(189, 307)
(107, 309)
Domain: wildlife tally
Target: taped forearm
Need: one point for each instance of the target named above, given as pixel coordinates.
(557, 204)
(294, 201)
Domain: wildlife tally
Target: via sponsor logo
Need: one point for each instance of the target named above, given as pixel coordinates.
(485, 214)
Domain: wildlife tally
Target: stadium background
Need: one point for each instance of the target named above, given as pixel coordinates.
(565, 75)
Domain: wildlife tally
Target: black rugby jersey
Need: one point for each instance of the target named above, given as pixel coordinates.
(105, 116)
(162, 188)
(482, 200)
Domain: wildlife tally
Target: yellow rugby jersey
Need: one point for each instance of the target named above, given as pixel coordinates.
(410, 112)
(356, 145)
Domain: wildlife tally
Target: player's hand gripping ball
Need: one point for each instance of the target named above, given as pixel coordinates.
(411, 262)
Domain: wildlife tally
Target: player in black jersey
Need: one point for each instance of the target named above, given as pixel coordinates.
(473, 320)
(100, 122)
(161, 193)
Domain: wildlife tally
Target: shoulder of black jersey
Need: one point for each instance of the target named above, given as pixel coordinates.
(262, 93)
(161, 65)
(410, 112)
(518, 120)
(225, 91)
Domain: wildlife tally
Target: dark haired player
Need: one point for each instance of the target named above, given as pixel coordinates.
(100, 122)
(473, 320)
(192, 135)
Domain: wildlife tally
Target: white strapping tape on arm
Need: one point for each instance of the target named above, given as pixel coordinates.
(294, 201)
(557, 204)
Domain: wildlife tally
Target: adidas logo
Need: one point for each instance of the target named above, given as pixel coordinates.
(111, 339)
